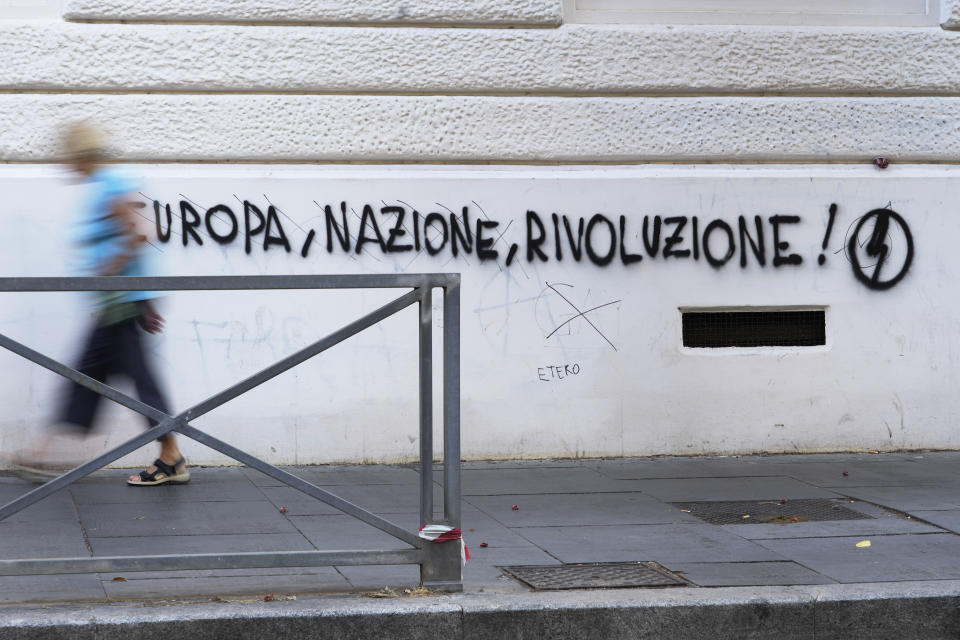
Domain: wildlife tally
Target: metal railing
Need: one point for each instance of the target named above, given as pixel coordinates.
(440, 563)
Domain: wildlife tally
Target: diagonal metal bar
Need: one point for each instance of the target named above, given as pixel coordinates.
(301, 485)
(319, 346)
(83, 380)
(167, 423)
(109, 564)
(87, 468)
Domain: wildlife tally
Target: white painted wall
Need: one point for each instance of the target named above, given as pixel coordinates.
(498, 105)
(883, 380)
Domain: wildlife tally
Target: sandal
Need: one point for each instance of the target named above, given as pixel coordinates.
(164, 473)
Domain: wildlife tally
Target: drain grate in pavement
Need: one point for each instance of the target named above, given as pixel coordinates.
(594, 576)
(772, 511)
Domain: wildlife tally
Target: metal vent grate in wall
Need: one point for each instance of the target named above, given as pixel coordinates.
(782, 328)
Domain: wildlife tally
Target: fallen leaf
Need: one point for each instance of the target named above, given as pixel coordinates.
(745, 517)
(268, 597)
(783, 501)
(484, 544)
(685, 510)
(863, 544)
(119, 579)
(873, 451)
(794, 519)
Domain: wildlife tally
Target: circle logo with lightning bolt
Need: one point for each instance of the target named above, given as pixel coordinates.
(880, 249)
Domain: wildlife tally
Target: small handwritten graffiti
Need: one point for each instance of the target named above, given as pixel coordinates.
(870, 249)
(579, 313)
(755, 241)
(557, 372)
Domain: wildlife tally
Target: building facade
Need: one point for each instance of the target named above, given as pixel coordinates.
(717, 228)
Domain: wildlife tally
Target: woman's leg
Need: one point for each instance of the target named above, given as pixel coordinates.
(134, 363)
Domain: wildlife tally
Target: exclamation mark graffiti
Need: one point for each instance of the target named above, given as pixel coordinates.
(826, 238)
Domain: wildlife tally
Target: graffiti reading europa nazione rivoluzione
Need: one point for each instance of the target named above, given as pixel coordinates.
(598, 239)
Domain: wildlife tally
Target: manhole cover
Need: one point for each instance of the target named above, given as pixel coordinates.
(594, 576)
(771, 511)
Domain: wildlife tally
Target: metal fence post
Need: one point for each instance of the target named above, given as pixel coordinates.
(442, 567)
(426, 405)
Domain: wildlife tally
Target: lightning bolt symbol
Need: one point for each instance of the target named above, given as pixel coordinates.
(877, 247)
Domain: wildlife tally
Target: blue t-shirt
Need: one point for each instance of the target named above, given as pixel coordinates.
(99, 235)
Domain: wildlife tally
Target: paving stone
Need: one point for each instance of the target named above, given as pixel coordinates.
(914, 498)
(948, 519)
(159, 545)
(297, 502)
(321, 579)
(332, 475)
(479, 527)
(375, 498)
(747, 574)
(543, 480)
(527, 464)
(888, 559)
(386, 498)
(182, 518)
(341, 533)
(888, 525)
(58, 507)
(206, 485)
(860, 474)
(665, 544)
(484, 566)
(574, 509)
(42, 540)
(706, 489)
(59, 588)
(651, 468)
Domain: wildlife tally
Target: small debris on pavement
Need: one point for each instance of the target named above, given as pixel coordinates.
(515, 507)
(387, 592)
(283, 509)
(268, 597)
(685, 510)
(873, 451)
(863, 544)
(846, 473)
(783, 501)
(118, 579)
(139, 517)
(745, 517)
(484, 544)
(794, 519)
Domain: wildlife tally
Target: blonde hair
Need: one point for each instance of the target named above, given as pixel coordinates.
(84, 140)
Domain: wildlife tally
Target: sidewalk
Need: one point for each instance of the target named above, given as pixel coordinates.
(586, 511)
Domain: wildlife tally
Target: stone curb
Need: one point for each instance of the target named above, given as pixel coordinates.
(897, 610)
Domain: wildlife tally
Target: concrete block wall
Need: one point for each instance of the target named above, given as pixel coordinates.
(508, 84)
